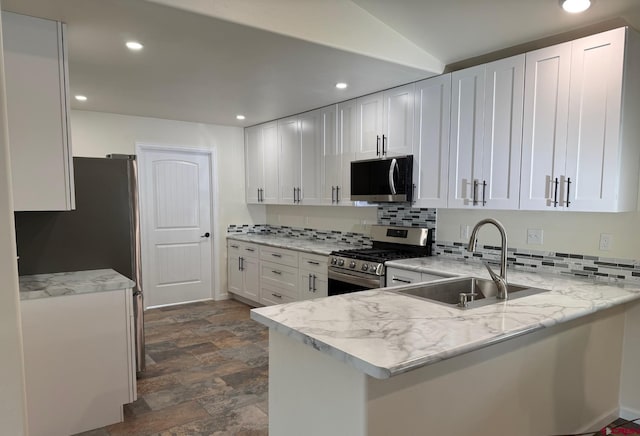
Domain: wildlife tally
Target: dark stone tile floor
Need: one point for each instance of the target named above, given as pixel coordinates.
(207, 368)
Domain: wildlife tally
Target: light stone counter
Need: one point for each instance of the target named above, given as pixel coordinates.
(314, 246)
(385, 334)
(70, 283)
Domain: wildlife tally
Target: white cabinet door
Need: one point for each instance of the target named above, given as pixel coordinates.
(312, 285)
(254, 164)
(544, 137)
(370, 113)
(271, 163)
(235, 281)
(289, 156)
(398, 277)
(312, 125)
(36, 79)
(251, 276)
(467, 125)
(397, 129)
(431, 133)
(593, 141)
(332, 160)
(347, 146)
(502, 143)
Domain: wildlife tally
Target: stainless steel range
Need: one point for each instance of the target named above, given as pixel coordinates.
(360, 269)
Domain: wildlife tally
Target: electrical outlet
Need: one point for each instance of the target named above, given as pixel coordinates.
(534, 236)
(606, 241)
(464, 232)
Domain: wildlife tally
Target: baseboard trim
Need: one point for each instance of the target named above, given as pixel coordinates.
(244, 300)
(629, 414)
(600, 422)
(178, 304)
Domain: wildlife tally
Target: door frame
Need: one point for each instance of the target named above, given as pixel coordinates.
(142, 148)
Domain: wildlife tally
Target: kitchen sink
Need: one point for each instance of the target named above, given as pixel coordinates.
(475, 292)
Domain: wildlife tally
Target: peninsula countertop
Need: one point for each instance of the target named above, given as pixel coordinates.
(71, 283)
(383, 333)
(315, 246)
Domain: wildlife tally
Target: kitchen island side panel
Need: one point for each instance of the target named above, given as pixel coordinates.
(559, 380)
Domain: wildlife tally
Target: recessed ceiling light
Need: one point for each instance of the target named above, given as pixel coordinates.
(575, 6)
(134, 45)
(81, 97)
(240, 117)
(341, 85)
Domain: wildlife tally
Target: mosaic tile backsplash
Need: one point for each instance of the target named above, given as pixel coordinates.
(406, 216)
(600, 268)
(303, 233)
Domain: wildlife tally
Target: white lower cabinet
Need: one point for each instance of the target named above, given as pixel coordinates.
(243, 273)
(399, 276)
(270, 275)
(79, 360)
(314, 282)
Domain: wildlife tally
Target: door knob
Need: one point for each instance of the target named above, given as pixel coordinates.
(206, 235)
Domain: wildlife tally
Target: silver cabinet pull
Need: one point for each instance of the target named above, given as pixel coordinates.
(568, 190)
(299, 195)
(377, 145)
(294, 195)
(309, 287)
(250, 249)
(276, 295)
(234, 246)
(337, 194)
(398, 279)
(314, 283)
(333, 193)
(276, 272)
(239, 264)
(384, 139)
(475, 192)
(258, 195)
(312, 262)
(276, 255)
(555, 192)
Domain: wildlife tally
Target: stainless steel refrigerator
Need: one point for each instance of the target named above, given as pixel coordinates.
(102, 232)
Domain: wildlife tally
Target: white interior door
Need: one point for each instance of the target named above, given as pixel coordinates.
(176, 225)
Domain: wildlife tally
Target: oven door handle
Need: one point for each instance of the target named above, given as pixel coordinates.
(372, 283)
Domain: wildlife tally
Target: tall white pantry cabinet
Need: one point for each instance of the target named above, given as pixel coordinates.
(35, 63)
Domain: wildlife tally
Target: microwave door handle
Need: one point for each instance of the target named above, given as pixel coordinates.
(392, 168)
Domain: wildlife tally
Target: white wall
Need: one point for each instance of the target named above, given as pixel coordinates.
(572, 232)
(345, 219)
(96, 134)
(12, 394)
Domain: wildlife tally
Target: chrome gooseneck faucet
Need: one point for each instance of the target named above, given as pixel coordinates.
(501, 280)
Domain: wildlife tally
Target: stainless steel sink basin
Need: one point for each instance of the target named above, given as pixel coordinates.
(477, 292)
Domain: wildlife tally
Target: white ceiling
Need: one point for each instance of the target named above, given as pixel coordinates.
(198, 67)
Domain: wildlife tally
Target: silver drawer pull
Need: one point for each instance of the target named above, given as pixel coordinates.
(276, 255)
(313, 263)
(276, 272)
(235, 246)
(276, 295)
(250, 249)
(397, 279)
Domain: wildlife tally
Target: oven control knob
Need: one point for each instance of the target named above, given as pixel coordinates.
(341, 262)
(334, 260)
(365, 267)
(352, 264)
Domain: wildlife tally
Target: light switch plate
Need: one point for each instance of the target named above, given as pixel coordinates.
(464, 232)
(534, 236)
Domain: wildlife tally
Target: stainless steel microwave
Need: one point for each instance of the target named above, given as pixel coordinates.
(382, 180)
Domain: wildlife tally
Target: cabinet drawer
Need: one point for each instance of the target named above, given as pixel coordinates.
(281, 278)
(313, 262)
(279, 255)
(269, 297)
(396, 277)
(245, 249)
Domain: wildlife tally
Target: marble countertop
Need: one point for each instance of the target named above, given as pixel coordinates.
(314, 246)
(71, 283)
(384, 334)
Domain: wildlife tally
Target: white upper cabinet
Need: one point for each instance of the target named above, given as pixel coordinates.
(467, 125)
(486, 132)
(502, 140)
(431, 133)
(312, 132)
(261, 163)
(385, 123)
(581, 130)
(36, 78)
(339, 150)
(289, 153)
